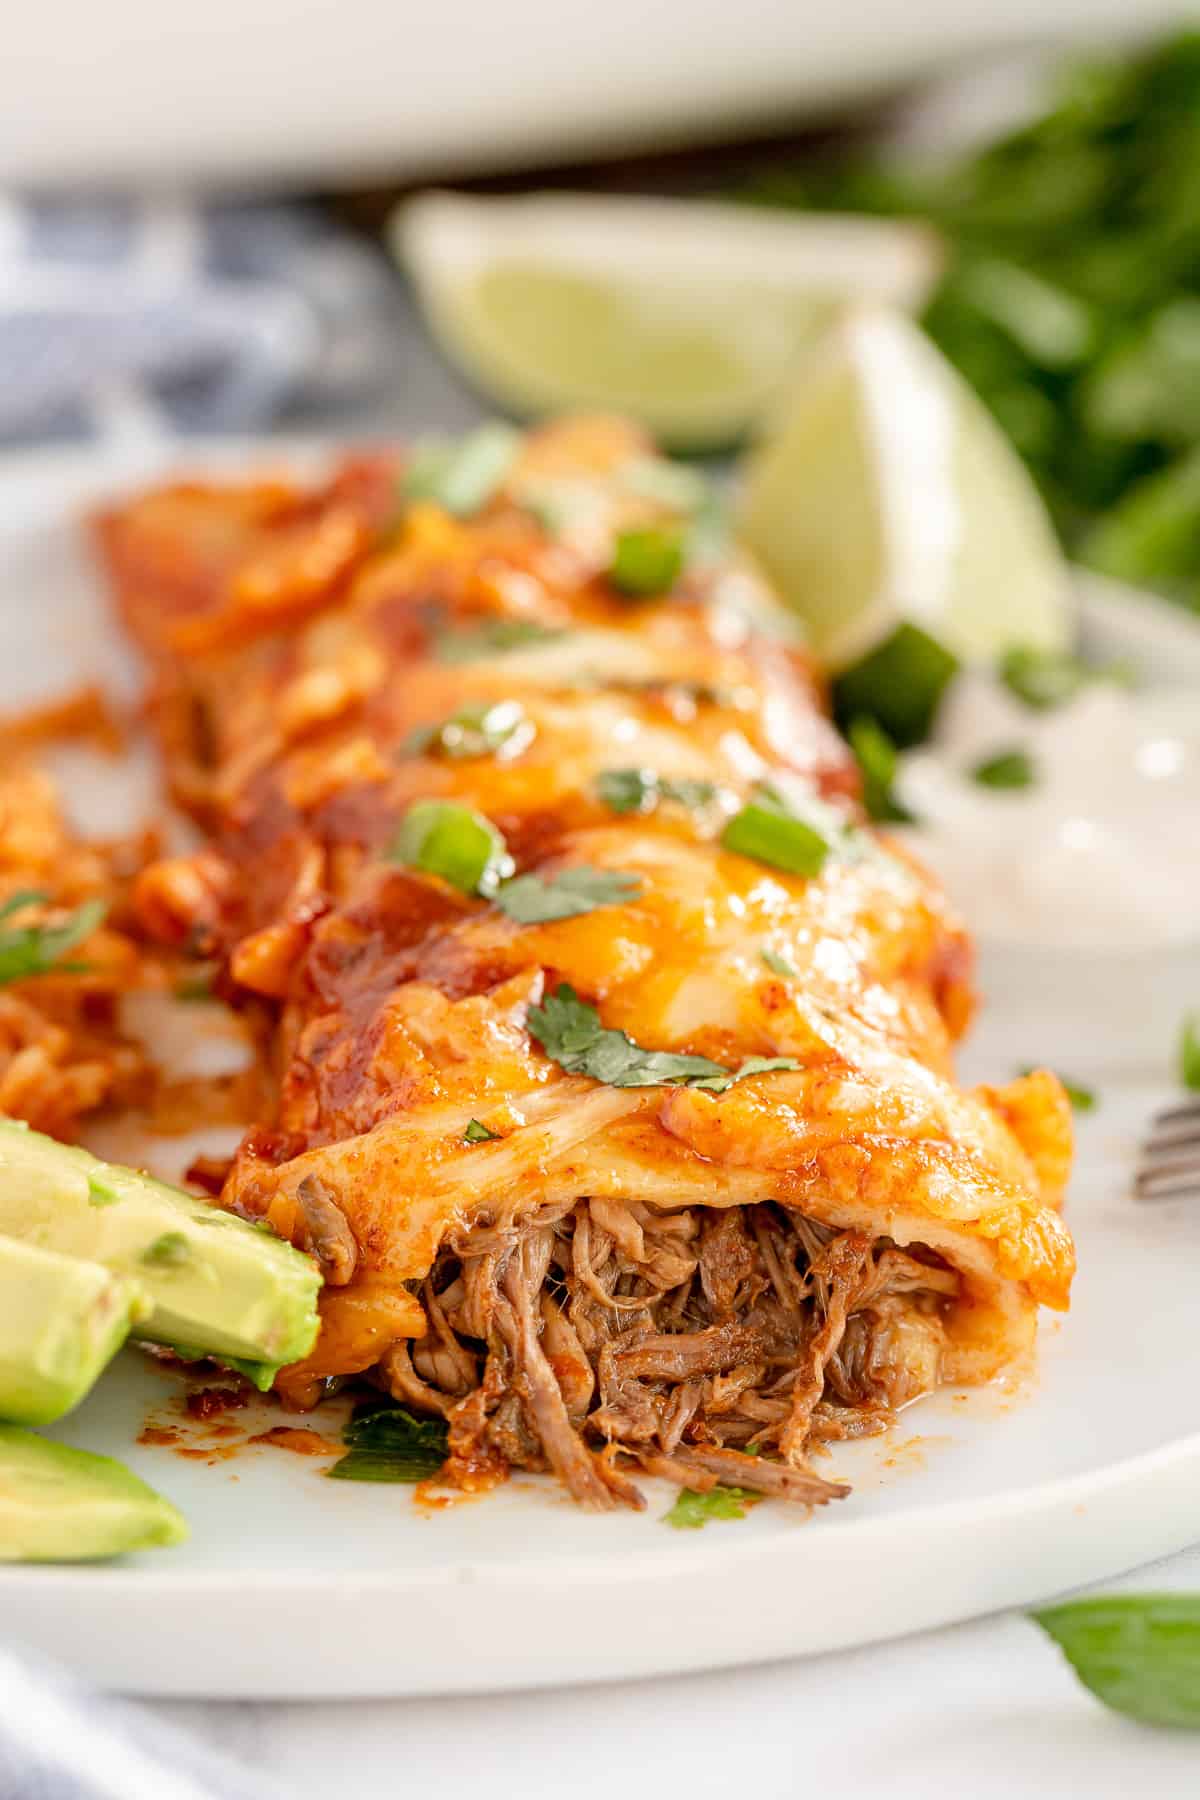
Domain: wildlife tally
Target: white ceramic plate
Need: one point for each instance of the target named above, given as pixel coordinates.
(295, 1587)
(124, 93)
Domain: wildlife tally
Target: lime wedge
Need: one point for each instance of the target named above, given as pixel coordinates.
(686, 316)
(889, 510)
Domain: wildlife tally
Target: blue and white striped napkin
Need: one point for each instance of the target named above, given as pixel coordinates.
(157, 317)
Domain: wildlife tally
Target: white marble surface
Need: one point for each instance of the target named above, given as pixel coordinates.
(987, 1709)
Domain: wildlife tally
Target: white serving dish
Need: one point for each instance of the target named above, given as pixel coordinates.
(296, 1587)
(246, 91)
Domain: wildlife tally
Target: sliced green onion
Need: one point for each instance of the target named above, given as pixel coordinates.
(669, 484)
(647, 561)
(1007, 769)
(455, 842)
(875, 755)
(899, 685)
(770, 832)
(778, 965)
(462, 477)
(1189, 1052)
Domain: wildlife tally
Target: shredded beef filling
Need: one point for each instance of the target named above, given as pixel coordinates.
(704, 1346)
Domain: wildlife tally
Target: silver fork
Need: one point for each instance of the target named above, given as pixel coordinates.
(1169, 1168)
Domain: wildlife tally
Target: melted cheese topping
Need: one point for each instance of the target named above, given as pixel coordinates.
(287, 700)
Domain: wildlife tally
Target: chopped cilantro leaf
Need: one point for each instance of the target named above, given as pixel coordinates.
(753, 1065)
(1083, 1099)
(478, 1134)
(494, 637)
(692, 1510)
(641, 790)
(27, 950)
(531, 900)
(570, 1032)
(472, 731)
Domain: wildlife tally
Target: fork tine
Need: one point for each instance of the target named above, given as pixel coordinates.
(1170, 1181)
(1187, 1114)
(1168, 1143)
(1169, 1166)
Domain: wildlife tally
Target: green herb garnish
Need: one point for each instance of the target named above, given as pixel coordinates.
(779, 965)
(197, 985)
(569, 1031)
(1071, 298)
(1007, 769)
(1043, 679)
(668, 484)
(494, 637)
(692, 1510)
(641, 790)
(875, 754)
(462, 477)
(478, 1134)
(1138, 1653)
(455, 842)
(899, 686)
(647, 561)
(769, 831)
(388, 1443)
(1189, 1053)
(1083, 1099)
(27, 950)
(532, 900)
(100, 1193)
(753, 1065)
(170, 1251)
(478, 730)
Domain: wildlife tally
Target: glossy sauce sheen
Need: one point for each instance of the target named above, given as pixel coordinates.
(299, 639)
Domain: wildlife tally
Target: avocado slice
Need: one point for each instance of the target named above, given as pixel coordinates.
(61, 1323)
(216, 1286)
(64, 1505)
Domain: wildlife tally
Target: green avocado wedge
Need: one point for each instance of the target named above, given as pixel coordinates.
(215, 1286)
(64, 1505)
(61, 1323)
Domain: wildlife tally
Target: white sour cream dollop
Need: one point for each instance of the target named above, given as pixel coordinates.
(1101, 852)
